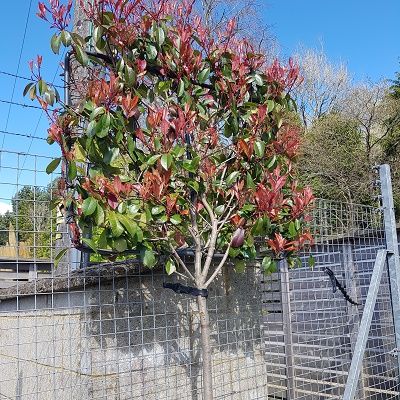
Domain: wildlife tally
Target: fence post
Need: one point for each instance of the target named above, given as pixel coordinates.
(392, 247)
(362, 338)
(287, 328)
(352, 310)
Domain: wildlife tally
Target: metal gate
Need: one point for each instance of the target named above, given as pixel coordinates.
(318, 344)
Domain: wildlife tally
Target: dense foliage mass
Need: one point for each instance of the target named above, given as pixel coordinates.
(183, 132)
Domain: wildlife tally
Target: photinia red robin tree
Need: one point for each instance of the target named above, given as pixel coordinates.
(183, 133)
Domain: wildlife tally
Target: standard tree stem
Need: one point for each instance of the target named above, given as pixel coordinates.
(206, 348)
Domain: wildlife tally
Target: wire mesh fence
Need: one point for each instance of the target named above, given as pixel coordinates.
(111, 331)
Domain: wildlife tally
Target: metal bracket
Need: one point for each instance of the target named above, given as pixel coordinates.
(395, 352)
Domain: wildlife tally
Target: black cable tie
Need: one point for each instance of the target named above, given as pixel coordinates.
(337, 285)
(182, 289)
(332, 277)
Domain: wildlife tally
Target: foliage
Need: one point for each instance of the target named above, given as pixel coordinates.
(184, 135)
(182, 127)
(5, 220)
(31, 219)
(334, 160)
(395, 88)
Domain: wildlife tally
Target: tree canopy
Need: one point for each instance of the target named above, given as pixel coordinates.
(183, 129)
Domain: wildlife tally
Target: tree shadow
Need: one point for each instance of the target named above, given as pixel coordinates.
(154, 333)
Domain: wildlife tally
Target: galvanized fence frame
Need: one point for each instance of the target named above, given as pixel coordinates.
(97, 306)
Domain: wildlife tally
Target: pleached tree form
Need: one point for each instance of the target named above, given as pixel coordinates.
(182, 129)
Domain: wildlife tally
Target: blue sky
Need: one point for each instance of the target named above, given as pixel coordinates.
(16, 168)
(363, 34)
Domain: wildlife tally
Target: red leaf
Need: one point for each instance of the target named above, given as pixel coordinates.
(112, 201)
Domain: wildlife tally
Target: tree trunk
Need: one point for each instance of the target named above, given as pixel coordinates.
(206, 348)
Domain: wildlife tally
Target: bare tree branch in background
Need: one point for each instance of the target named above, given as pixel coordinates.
(324, 85)
(375, 112)
(249, 22)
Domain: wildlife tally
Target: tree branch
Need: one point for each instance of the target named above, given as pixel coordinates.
(180, 262)
(213, 238)
(220, 265)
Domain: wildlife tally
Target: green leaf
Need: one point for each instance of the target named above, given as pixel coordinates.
(258, 80)
(32, 92)
(291, 262)
(194, 185)
(292, 229)
(170, 267)
(178, 151)
(129, 225)
(120, 244)
(311, 262)
(151, 52)
(99, 215)
(72, 171)
(266, 262)
(89, 206)
(203, 75)
(166, 161)
(270, 105)
(157, 210)
(90, 243)
(139, 234)
(232, 178)
(272, 162)
(249, 181)
(27, 87)
(59, 256)
(80, 55)
(181, 88)
(130, 75)
(55, 43)
(102, 240)
(160, 36)
(259, 148)
(240, 266)
(96, 112)
(219, 210)
(103, 126)
(116, 227)
(65, 38)
(52, 166)
(149, 259)
(153, 159)
(191, 165)
(269, 266)
(176, 219)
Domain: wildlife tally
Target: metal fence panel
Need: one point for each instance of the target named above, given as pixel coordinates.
(112, 332)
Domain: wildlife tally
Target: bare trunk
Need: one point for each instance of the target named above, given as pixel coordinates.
(206, 348)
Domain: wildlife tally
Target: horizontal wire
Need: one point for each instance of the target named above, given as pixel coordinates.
(22, 135)
(14, 103)
(27, 79)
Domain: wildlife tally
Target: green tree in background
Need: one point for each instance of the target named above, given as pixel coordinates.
(5, 220)
(334, 160)
(31, 218)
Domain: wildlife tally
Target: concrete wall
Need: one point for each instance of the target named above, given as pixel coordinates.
(120, 335)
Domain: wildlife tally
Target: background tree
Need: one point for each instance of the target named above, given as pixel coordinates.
(5, 220)
(183, 128)
(323, 87)
(375, 112)
(333, 160)
(31, 219)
